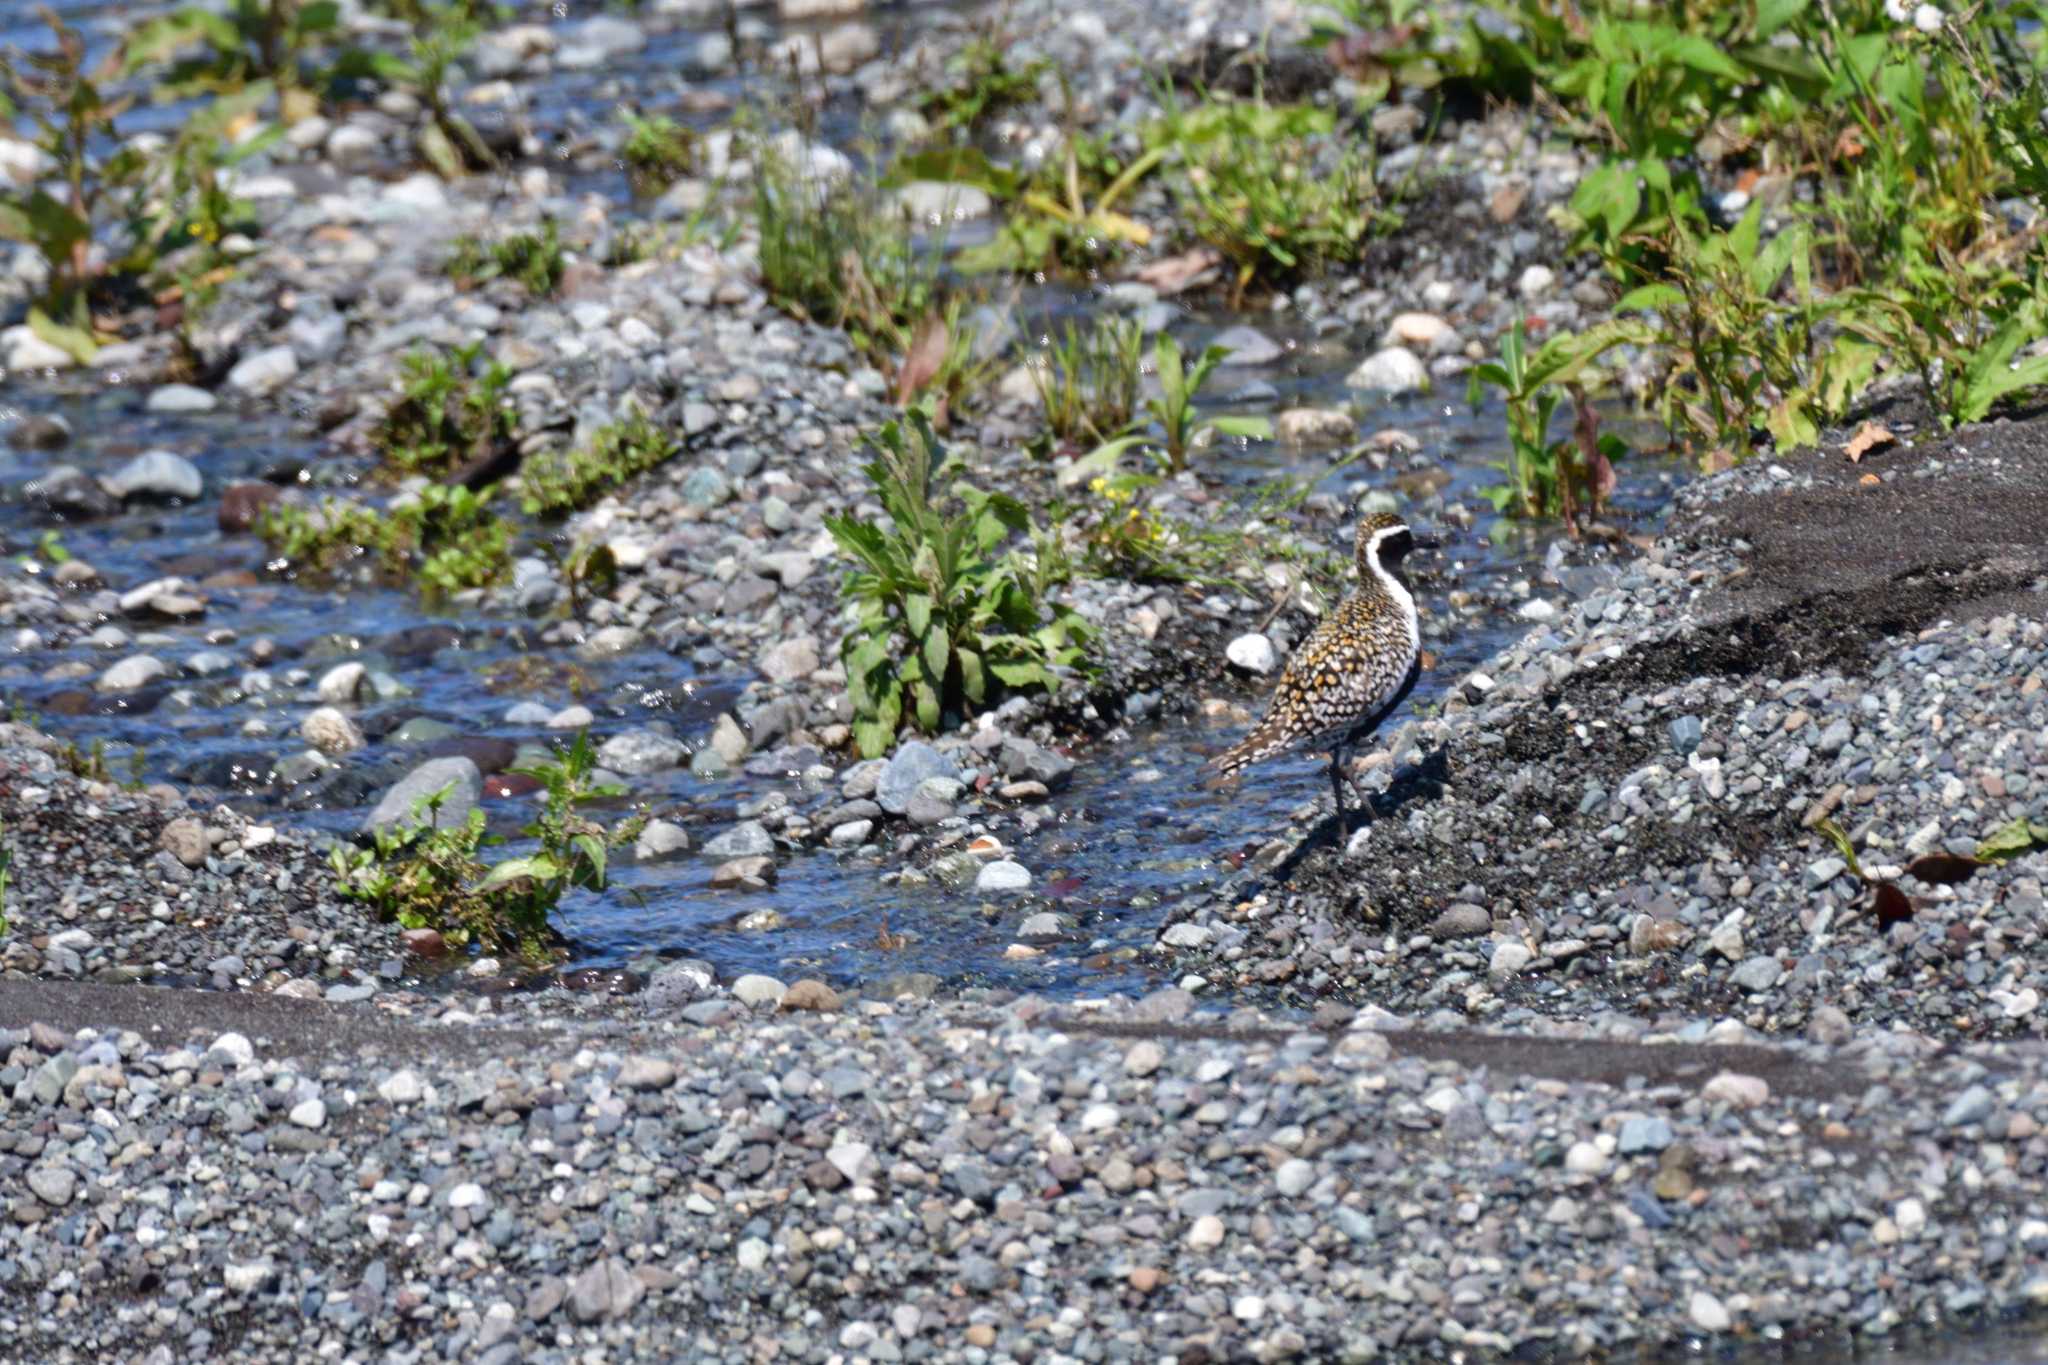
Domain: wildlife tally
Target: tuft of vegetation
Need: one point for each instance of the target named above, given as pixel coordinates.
(425, 876)
(552, 484)
(442, 539)
(948, 619)
(261, 46)
(657, 151)
(451, 415)
(830, 253)
(534, 259)
(1545, 476)
(1177, 426)
(1270, 187)
(983, 84)
(1088, 378)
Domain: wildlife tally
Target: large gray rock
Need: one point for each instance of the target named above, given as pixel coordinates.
(909, 766)
(460, 775)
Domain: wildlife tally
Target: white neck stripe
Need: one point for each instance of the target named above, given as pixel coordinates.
(1391, 585)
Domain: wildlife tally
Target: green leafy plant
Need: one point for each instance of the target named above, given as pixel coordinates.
(983, 85)
(1268, 186)
(2013, 840)
(657, 151)
(552, 484)
(424, 875)
(946, 619)
(1548, 477)
(534, 259)
(63, 99)
(443, 540)
(1178, 427)
(441, 34)
(250, 45)
(1088, 378)
(1064, 214)
(450, 416)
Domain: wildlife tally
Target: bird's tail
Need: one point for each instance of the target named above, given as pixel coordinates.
(1268, 740)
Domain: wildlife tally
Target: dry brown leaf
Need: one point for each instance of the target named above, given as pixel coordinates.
(1507, 202)
(1177, 274)
(927, 354)
(1870, 436)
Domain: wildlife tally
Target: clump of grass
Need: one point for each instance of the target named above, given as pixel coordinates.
(1177, 426)
(832, 254)
(554, 484)
(425, 876)
(443, 540)
(451, 416)
(983, 84)
(1088, 379)
(534, 259)
(657, 151)
(1270, 187)
(947, 618)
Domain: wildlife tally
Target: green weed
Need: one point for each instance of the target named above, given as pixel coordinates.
(1548, 477)
(443, 540)
(424, 877)
(1178, 426)
(1088, 378)
(450, 416)
(946, 622)
(552, 484)
(982, 85)
(534, 259)
(657, 151)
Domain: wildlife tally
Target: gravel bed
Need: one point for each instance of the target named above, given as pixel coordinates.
(991, 1181)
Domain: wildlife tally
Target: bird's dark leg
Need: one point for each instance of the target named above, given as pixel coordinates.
(1337, 790)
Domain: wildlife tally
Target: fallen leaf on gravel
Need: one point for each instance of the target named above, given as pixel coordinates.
(1175, 274)
(1943, 869)
(927, 356)
(1870, 436)
(1507, 202)
(1892, 905)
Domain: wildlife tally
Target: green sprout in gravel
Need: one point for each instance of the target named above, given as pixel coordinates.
(442, 540)
(451, 417)
(534, 259)
(947, 619)
(1088, 379)
(1178, 426)
(427, 875)
(657, 151)
(983, 85)
(553, 484)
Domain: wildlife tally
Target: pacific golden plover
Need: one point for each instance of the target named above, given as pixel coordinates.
(1357, 665)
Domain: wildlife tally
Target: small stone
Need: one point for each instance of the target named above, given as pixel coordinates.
(235, 1048)
(264, 372)
(1395, 370)
(456, 776)
(1757, 975)
(1247, 346)
(660, 839)
(1207, 1233)
(747, 839)
(1294, 1177)
(1707, 1312)
(638, 752)
(54, 1185)
(308, 1113)
(401, 1087)
(751, 873)
(180, 398)
(1314, 426)
(1144, 1058)
(908, 768)
(790, 660)
(810, 994)
(1536, 281)
(1974, 1105)
(1585, 1158)
(1461, 919)
(330, 731)
(245, 1277)
(1002, 875)
(606, 1290)
(640, 1072)
(1640, 1135)
(1145, 1278)
(185, 839)
(467, 1195)
(1254, 653)
(137, 670)
(343, 683)
(1509, 957)
(157, 475)
(755, 989)
(1736, 1090)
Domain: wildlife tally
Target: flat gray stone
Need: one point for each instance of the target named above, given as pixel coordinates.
(909, 766)
(465, 787)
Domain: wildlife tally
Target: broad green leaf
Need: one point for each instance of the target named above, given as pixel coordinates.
(937, 652)
(1701, 55)
(973, 681)
(75, 341)
(1099, 461)
(1651, 297)
(926, 698)
(917, 613)
(2012, 840)
(1019, 672)
(1247, 427)
(873, 738)
(538, 867)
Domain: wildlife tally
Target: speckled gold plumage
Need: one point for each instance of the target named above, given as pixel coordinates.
(1355, 667)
